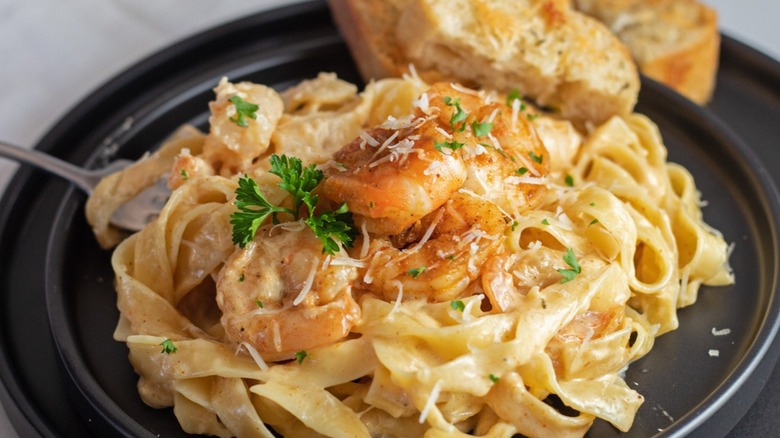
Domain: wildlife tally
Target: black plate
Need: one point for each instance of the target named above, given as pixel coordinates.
(79, 382)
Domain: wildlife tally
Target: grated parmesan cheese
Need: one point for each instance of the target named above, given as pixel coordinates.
(537, 181)
(306, 285)
(723, 332)
(255, 355)
(431, 402)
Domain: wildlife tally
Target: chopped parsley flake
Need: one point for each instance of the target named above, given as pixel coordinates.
(515, 95)
(481, 129)
(545, 221)
(493, 378)
(244, 110)
(184, 175)
(416, 272)
(454, 145)
(259, 303)
(569, 180)
(593, 222)
(300, 356)
(571, 260)
(537, 158)
(522, 171)
(168, 347)
(458, 305)
(458, 116)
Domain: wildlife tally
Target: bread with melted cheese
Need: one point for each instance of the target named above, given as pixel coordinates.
(559, 57)
(675, 42)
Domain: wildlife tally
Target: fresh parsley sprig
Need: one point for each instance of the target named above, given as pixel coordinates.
(571, 260)
(331, 227)
(458, 115)
(253, 209)
(244, 110)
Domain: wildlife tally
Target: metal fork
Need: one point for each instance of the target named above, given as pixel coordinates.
(131, 216)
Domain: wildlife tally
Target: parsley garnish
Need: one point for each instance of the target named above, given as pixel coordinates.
(545, 221)
(454, 145)
(416, 272)
(493, 378)
(244, 109)
(481, 129)
(515, 95)
(522, 171)
(571, 260)
(168, 347)
(593, 222)
(330, 227)
(300, 356)
(532, 117)
(259, 303)
(241, 278)
(537, 158)
(184, 175)
(458, 116)
(458, 305)
(569, 180)
(514, 225)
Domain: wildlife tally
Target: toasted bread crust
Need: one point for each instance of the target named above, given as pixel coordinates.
(551, 53)
(675, 42)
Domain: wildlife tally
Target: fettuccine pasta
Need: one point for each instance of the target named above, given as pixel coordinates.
(504, 265)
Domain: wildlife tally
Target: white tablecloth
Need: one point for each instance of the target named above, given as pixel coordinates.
(54, 52)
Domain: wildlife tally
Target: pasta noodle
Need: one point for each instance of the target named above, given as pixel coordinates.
(514, 292)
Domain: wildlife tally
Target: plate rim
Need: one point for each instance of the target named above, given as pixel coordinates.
(57, 129)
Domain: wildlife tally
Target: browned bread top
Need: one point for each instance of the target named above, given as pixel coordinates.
(551, 53)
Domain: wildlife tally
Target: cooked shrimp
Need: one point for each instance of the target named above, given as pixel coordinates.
(442, 257)
(506, 161)
(186, 166)
(397, 173)
(391, 178)
(236, 139)
(280, 295)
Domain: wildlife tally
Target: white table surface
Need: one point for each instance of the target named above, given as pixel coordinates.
(54, 52)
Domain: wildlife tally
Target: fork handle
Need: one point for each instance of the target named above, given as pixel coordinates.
(82, 178)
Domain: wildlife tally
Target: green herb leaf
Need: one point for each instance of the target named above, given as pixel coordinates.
(253, 209)
(300, 356)
(297, 180)
(168, 347)
(537, 158)
(416, 272)
(481, 129)
(493, 378)
(259, 303)
(569, 180)
(458, 305)
(571, 260)
(244, 110)
(593, 222)
(521, 171)
(454, 145)
(184, 175)
(515, 95)
(545, 221)
(458, 116)
(331, 227)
